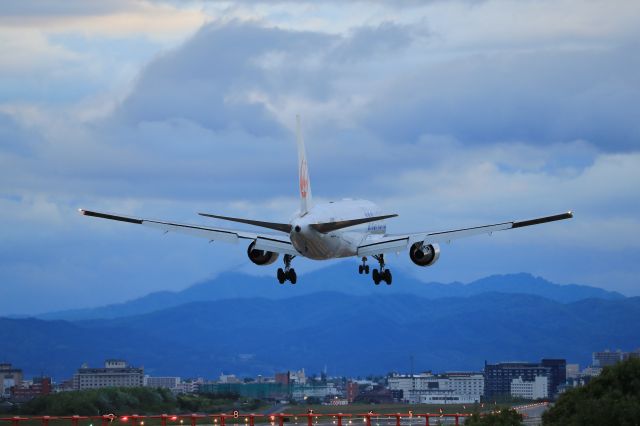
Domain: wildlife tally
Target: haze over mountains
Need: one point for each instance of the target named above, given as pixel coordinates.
(252, 325)
(341, 277)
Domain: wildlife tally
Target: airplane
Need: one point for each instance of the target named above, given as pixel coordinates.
(330, 230)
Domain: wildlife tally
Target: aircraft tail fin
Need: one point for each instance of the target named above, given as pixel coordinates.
(305, 184)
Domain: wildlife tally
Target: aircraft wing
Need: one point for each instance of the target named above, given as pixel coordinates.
(265, 241)
(395, 243)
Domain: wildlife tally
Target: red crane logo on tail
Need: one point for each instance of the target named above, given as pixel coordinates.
(304, 179)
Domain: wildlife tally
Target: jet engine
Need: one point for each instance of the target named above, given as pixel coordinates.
(261, 257)
(424, 254)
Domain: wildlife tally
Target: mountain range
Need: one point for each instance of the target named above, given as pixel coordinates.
(341, 277)
(227, 325)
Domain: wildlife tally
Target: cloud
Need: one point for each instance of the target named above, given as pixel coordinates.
(16, 140)
(448, 125)
(541, 96)
(366, 42)
(118, 18)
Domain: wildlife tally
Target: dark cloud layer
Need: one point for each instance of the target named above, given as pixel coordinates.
(535, 96)
(539, 96)
(206, 80)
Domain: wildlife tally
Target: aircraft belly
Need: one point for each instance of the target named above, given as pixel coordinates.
(322, 246)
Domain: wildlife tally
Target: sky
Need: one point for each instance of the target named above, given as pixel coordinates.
(449, 113)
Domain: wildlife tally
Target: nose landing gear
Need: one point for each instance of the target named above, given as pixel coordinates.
(382, 275)
(288, 274)
(364, 268)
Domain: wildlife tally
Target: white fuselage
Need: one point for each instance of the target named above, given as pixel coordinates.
(341, 243)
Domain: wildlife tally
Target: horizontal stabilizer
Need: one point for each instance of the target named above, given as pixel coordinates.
(283, 227)
(334, 226)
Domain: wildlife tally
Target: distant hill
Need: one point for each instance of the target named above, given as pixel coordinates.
(341, 277)
(350, 334)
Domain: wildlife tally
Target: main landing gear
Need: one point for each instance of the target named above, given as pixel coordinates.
(288, 274)
(382, 275)
(364, 268)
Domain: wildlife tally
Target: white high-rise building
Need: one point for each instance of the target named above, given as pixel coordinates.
(536, 389)
(116, 373)
(447, 387)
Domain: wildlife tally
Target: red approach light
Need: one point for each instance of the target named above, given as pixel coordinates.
(124, 419)
(174, 418)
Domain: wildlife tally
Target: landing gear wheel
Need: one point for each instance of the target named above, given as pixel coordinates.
(383, 274)
(387, 276)
(288, 273)
(376, 277)
(364, 268)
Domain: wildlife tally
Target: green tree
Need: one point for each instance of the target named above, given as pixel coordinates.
(613, 398)
(506, 417)
(102, 401)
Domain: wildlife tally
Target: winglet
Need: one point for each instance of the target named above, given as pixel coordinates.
(305, 184)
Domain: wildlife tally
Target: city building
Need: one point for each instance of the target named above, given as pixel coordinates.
(591, 371)
(573, 371)
(9, 377)
(116, 373)
(228, 378)
(172, 383)
(538, 388)
(498, 377)
(377, 395)
(28, 390)
(321, 392)
(633, 354)
(263, 379)
(291, 377)
(273, 391)
(190, 385)
(447, 387)
(409, 386)
(469, 386)
(557, 374)
(445, 397)
(282, 378)
(607, 358)
(352, 390)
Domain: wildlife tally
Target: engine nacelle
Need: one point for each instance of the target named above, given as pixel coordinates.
(261, 257)
(424, 254)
